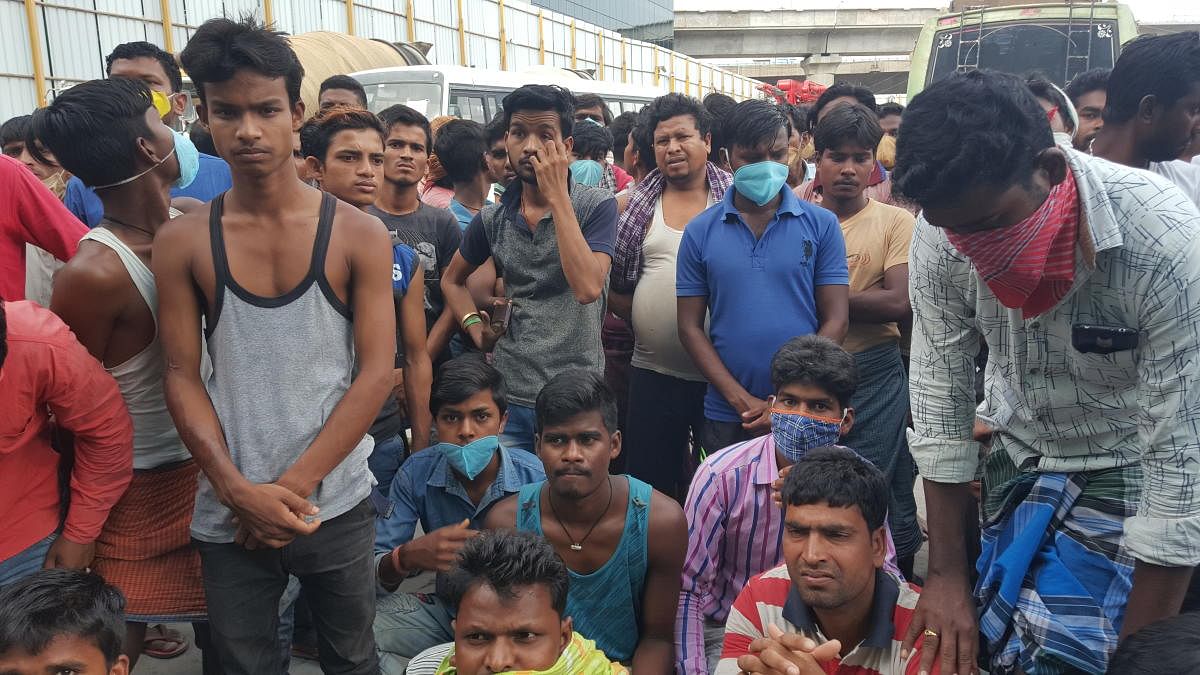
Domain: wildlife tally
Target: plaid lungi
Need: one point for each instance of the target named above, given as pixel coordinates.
(1054, 574)
(145, 547)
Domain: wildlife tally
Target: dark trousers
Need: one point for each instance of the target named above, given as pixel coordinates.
(665, 413)
(717, 435)
(335, 566)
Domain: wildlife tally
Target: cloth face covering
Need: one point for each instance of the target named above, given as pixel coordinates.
(797, 433)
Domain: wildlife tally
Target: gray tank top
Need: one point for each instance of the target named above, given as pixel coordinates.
(280, 366)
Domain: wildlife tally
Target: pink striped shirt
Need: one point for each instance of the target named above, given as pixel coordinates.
(734, 533)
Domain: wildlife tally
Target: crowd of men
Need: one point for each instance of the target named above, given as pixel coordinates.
(645, 393)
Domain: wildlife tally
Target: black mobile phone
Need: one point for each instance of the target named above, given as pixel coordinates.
(1094, 339)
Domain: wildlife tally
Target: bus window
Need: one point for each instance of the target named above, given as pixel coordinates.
(468, 107)
(425, 98)
(1026, 47)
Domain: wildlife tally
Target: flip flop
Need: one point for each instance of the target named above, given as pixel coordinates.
(163, 643)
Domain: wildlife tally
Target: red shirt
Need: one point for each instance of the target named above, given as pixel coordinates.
(30, 213)
(48, 371)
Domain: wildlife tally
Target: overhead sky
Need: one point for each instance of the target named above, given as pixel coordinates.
(1153, 11)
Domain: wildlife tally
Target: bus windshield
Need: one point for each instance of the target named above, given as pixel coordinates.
(424, 97)
(1023, 47)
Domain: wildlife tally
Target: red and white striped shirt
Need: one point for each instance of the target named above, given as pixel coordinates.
(770, 598)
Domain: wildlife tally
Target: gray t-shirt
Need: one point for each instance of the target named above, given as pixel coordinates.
(549, 331)
(434, 234)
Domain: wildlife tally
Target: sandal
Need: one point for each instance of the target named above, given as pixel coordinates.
(163, 643)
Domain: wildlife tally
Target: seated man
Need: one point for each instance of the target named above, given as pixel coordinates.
(733, 526)
(831, 586)
(62, 621)
(510, 593)
(622, 541)
(449, 488)
(1167, 646)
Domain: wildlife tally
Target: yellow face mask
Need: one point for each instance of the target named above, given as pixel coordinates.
(161, 103)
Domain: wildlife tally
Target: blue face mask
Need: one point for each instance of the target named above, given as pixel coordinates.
(189, 164)
(586, 172)
(761, 181)
(471, 459)
(796, 433)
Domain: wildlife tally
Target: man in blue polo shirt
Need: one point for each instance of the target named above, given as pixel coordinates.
(766, 267)
(449, 488)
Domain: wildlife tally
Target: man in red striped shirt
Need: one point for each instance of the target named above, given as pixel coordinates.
(831, 588)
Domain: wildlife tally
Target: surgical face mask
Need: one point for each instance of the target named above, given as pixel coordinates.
(760, 182)
(189, 164)
(586, 172)
(471, 459)
(56, 183)
(797, 433)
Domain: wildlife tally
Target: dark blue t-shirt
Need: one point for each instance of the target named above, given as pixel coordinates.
(761, 293)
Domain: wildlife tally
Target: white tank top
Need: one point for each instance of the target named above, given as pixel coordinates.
(140, 378)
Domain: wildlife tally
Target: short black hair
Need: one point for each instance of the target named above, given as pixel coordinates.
(667, 106)
(592, 101)
(542, 98)
(753, 123)
(221, 47)
(344, 82)
(591, 141)
(848, 125)
(318, 132)
(816, 361)
(1163, 66)
(461, 378)
(507, 561)
(718, 105)
(406, 116)
(202, 139)
(1043, 88)
(93, 128)
(890, 108)
(620, 128)
(460, 145)
(15, 130)
(840, 478)
(1169, 645)
(1086, 82)
(841, 90)
(141, 50)
(574, 392)
(978, 128)
(495, 130)
(56, 602)
(798, 117)
(642, 141)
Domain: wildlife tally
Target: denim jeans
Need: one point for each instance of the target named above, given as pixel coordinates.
(520, 429)
(385, 461)
(335, 566)
(26, 562)
(407, 624)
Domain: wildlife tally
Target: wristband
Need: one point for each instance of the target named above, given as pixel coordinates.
(471, 320)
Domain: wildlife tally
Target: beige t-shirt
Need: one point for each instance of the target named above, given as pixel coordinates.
(877, 239)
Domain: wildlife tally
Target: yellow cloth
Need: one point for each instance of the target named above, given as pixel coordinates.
(579, 658)
(886, 152)
(877, 239)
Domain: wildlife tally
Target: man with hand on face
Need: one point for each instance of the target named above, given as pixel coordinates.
(759, 268)
(830, 608)
(343, 149)
(622, 541)
(1079, 275)
(297, 300)
(552, 243)
(509, 590)
(449, 489)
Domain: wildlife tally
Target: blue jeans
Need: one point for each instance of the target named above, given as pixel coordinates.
(385, 461)
(520, 429)
(26, 562)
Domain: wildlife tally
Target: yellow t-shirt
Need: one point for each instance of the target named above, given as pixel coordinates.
(877, 239)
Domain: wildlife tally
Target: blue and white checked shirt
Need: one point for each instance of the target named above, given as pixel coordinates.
(1138, 267)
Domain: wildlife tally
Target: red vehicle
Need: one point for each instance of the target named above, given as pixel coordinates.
(795, 92)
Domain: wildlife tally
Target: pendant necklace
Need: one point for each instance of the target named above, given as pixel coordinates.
(578, 545)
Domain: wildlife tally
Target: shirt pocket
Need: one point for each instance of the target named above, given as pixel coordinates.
(1118, 369)
(13, 427)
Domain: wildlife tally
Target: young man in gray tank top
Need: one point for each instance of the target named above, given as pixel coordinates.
(106, 295)
(295, 291)
(623, 542)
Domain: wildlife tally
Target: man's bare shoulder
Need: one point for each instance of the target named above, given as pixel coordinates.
(666, 516)
(95, 270)
(503, 515)
(189, 228)
(358, 222)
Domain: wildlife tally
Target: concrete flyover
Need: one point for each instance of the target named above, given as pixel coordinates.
(784, 33)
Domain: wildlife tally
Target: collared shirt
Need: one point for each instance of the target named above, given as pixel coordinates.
(734, 532)
(761, 292)
(462, 214)
(48, 372)
(426, 489)
(549, 331)
(772, 598)
(1053, 407)
(30, 214)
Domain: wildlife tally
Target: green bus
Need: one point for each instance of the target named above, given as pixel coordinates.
(1058, 41)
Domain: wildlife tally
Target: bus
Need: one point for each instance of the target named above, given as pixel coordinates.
(1058, 41)
(475, 94)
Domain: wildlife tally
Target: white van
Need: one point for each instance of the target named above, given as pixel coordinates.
(475, 94)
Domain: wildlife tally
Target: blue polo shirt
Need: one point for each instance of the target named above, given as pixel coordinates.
(427, 490)
(760, 292)
(212, 179)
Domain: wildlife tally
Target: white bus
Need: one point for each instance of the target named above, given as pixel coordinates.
(475, 94)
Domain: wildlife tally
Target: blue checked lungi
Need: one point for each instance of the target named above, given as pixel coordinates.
(1054, 574)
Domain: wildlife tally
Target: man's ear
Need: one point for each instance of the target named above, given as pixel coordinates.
(297, 115)
(879, 546)
(847, 423)
(316, 169)
(616, 445)
(179, 101)
(1148, 109)
(121, 667)
(503, 422)
(569, 144)
(708, 143)
(567, 628)
(1054, 163)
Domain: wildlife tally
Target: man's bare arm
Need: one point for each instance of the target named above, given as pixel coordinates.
(833, 311)
(886, 302)
(621, 304)
(586, 270)
(418, 369)
(370, 259)
(655, 652)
